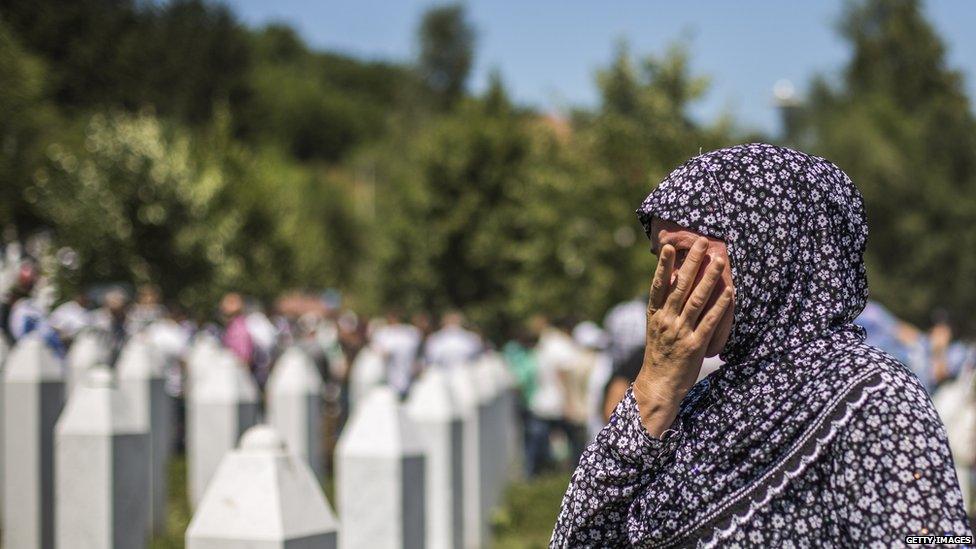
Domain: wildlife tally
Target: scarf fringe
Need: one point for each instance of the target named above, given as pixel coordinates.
(774, 488)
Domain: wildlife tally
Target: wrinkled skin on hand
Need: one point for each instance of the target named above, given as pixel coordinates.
(688, 318)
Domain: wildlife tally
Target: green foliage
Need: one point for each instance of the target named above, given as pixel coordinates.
(167, 143)
(24, 114)
(180, 57)
(528, 515)
(327, 171)
(506, 214)
(197, 215)
(901, 126)
(641, 132)
(469, 215)
(444, 212)
(151, 198)
(446, 52)
(318, 106)
(178, 512)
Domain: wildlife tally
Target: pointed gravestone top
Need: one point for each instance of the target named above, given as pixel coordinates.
(89, 348)
(262, 439)
(31, 360)
(430, 398)
(203, 353)
(97, 408)
(503, 378)
(139, 360)
(98, 377)
(228, 381)
(486, 381)
(368, 367)
(294, 373)
(368, 371)
(464, 387)
(261, 492)
(380, 428)
(202, 345)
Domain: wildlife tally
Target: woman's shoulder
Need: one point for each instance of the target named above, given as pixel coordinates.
(897, 380)
(895, 398)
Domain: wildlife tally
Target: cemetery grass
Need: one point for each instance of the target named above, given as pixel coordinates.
(525, 520)
(529, 512)
(177, 508)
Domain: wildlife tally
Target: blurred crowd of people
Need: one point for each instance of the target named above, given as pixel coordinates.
(569, 375)
(255, 333)
(947, 369)
(565, 372)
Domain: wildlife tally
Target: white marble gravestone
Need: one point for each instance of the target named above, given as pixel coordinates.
(140, 378)
(465, 391)
(368, 371)
(490, 433)
(89, 348)
(380, 486)
(263, 497)
(4, 351)
(295, 406)
(102, 463)
(223, 404)
(33, 397)
(512, 427)
(431, 406)
(504, 427)
(204, 352)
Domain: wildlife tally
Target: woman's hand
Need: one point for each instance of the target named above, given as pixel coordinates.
(678, 332)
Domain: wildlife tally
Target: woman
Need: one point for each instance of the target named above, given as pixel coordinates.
(806, 436)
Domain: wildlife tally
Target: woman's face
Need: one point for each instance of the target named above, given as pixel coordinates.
(667, 232)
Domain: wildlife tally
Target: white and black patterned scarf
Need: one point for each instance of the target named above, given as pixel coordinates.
(795, 365)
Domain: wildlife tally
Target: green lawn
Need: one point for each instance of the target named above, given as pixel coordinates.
(178, 511)
(524, 522)
(529, 512)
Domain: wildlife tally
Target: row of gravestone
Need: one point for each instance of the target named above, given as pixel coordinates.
(449, 451)
(421, 475)
(70, 459)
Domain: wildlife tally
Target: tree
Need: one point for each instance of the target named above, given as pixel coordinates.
(641, 131)
(316, 106)
(507, 213)
(141, 200)
(901, 126)
(182, 58)
(446, 53)
(26, 116)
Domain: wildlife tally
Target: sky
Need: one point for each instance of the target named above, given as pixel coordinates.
(548, 51)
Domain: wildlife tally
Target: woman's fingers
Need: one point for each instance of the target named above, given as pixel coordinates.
(686, 276)
(708, 322)
(702, 292)
(662, 278)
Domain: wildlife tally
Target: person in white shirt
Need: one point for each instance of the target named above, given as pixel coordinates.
(71, 317)
(148, 308)
(556, 357)
(172, 337)
(399, 344)
(625, 325)
(599, 368)
(452, 345)
(264, 336)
